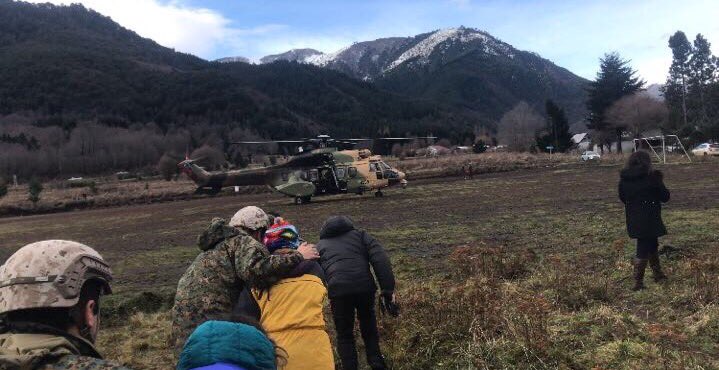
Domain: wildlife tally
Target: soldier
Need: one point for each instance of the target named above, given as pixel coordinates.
(50, 307)
(232, 256)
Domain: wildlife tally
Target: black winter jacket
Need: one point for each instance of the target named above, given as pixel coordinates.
(643, 195)
(346, 255)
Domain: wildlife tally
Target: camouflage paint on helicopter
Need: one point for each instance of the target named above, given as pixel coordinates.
(322, 171)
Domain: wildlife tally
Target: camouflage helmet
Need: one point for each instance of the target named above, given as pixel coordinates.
(250, 217)
(50, 273)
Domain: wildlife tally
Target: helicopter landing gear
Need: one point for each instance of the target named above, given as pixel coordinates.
(379, 194)
(302, 200)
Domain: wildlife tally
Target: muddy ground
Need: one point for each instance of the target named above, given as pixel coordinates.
(149, 246)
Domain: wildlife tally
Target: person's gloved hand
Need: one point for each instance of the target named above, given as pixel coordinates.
(389, 304)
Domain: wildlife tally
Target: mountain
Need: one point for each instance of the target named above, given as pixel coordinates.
(464, 67)
(294, 55)
(655, 91)
(233, 60)
(63, 65)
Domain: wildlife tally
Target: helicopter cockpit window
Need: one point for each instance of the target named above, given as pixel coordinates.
(374, 167)
(352, 171)
(384, 166)
(313, 176)
(340, 173)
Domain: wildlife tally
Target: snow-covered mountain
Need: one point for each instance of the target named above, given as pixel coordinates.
(370, 59)
(655, 91)
(233, 60)
(461, 66)
(294, 55)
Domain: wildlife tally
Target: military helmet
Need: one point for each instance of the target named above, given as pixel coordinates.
(250, 217)
(50, 273)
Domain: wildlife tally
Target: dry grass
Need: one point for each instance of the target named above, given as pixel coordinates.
(142, 343)
(519, 270)
(451, 165)
(57, 196)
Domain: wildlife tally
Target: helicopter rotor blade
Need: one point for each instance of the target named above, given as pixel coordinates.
(407, 138)
(268, 142)
(354, 140)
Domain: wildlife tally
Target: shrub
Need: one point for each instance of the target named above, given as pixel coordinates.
(479, 147)
(92, 186)
(3, 188)
(34, 190)
(167, 167)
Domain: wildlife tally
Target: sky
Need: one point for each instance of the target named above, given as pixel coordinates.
(572, 34)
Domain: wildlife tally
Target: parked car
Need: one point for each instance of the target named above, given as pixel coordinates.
(706, 149)
(590, 156)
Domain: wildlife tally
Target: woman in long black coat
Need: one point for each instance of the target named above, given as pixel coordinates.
(642, 191)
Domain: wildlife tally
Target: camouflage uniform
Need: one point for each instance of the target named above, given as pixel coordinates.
(47, 351)
(213, 282)
(43, 275)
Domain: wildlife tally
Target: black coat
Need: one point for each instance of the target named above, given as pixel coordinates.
(643, 195)
(346, 255)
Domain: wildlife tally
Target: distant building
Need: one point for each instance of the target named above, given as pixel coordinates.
(582, 142)
(432, 151)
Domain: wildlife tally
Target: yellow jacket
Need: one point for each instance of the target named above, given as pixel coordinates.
(292, 314)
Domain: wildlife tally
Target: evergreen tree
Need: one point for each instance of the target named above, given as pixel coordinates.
(675, 90)
(479, 147)
(557, 132)
(615, 79)
(702, 69)
(34, 190)
(3, 187)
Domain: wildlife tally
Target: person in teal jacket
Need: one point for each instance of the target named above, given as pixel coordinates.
(228, 345)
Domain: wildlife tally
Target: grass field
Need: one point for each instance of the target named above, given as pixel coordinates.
(522, 269)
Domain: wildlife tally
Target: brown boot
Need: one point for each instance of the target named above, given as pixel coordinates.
(656, 268)
(639, 266)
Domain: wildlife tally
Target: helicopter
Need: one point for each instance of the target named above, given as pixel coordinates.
(322, 166)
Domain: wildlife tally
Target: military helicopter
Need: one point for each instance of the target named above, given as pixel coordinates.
(322, 166)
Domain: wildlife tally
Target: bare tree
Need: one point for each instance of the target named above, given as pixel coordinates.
(518, 127)
(209, 157)
(167, 167)
(637, 113)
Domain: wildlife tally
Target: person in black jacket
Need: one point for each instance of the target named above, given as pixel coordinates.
(346, 255)
(642, 191)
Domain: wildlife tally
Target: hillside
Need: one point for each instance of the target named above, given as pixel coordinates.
(464, 67)
(69, 64)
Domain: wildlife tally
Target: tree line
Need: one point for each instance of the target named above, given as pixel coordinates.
(619, 108)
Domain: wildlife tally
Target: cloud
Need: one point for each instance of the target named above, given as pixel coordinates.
(194, 30)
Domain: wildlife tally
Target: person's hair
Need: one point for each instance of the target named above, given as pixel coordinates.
(639, 161)
(62, 318)
(280, 353)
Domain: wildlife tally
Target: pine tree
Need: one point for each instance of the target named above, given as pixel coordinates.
(556, 133)
(615, 79)
(702, 69)
(34, 190)
(675, 90)
(3, 187)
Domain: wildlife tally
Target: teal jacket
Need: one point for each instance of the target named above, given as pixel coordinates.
(223, 343)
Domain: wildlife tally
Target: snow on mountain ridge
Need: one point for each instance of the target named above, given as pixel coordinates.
(422, 50)
(323, 59)
(237, 59)
(389, 53)
(299, 55)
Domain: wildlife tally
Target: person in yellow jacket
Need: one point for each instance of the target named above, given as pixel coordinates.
(291, 311)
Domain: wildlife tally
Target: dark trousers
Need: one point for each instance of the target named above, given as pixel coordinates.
(343, 312)
(646, 247)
